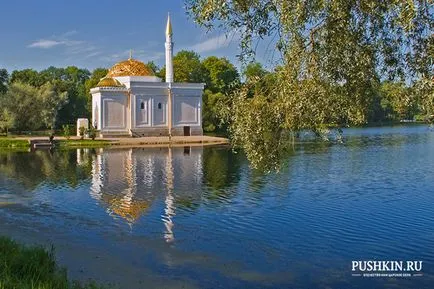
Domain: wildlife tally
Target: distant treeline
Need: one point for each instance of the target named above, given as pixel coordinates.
(34, 100)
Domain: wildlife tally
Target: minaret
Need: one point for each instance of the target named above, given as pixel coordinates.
(169, 51)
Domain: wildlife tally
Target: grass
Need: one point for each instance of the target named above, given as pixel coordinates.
(13, 143)
(32, 267)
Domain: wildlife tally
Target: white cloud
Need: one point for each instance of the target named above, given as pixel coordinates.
(45, 44)
(75, 49)
(214, 43)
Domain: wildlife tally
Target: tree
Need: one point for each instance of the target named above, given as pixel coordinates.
(28, 76)
(223, 79)
(153, 67)
(4, 79)
(397, 100)
(424, 89)
(30, 108)
(254, 70)
(22, 105)
(70, 80)
(90, 83)
(333, 54)
(188, 68)
(211, 118)
(222, 74)
(50, 102)
(6, 120)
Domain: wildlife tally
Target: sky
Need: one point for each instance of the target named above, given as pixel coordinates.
(91, 34)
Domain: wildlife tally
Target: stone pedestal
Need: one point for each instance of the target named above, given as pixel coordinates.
(82, 122)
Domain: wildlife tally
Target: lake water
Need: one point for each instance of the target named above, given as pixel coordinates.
(201, 218)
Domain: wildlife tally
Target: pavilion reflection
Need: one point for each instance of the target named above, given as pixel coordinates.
(128, 181)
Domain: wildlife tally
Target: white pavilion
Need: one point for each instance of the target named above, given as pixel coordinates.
(130, 100)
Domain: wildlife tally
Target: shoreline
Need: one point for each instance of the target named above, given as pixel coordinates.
(21, 142)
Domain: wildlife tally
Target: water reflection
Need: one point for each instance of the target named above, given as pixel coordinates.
(204, 217)
(57, 167)
(128, 181)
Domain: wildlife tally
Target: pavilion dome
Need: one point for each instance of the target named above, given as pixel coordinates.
(109, 82)
(128, 211)
(130, 67)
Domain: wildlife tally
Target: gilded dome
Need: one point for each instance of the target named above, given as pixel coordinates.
(109, 82)
(130, 212)
(130, 67)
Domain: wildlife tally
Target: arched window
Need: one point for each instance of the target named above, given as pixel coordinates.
(142, 105)
(159, 105)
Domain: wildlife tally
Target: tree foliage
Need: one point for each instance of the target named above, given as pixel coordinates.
(222, 74)
(29, 108)
(91, 82)
(4, 79)
(254, 70)
(397, 101)
(334, 54)
(51, 101)
(187, 68)
(69, 81)
(223, 78)
(424, 88)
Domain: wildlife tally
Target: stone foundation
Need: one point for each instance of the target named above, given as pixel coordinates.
(154, 131)
(164, 131)
(194, 130)
(114, 134)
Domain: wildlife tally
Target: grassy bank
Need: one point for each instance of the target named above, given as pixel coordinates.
(32, 267)
(13, 143)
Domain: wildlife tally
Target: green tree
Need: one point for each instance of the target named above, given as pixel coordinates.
(222, 74)
(6, 120)
(28, 76)
(30, 108)
(254, 70)
(4, 79)
(424, 90)
(212, 103)
(22, 104)
(332, 55)
(397, 100)
(72, 81)
(223, 79)
(153, 67)
(90, 83)
(187, 67)
(50, 103)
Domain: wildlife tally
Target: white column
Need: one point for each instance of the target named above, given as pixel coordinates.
(169, 71)
(169, 52)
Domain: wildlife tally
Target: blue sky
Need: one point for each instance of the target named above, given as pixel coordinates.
(90, 34)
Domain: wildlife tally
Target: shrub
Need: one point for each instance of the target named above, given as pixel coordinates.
(92, 132)
(66, 131)
(82, 131)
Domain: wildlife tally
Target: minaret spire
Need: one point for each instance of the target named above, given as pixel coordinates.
(169, 25)
(169, 51)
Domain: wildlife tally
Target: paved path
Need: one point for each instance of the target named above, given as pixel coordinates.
(160, 140)
(150, 141)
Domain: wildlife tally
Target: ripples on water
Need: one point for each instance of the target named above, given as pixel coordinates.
(201, 218)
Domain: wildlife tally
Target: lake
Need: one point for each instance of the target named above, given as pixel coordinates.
(194, 217)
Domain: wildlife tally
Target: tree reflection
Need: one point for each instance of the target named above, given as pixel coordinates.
(221, 168)
(54, 167)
